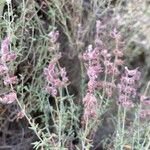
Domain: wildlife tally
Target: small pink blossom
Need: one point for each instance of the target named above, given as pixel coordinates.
(133, 73)
(114, 34)
(55, 78)
(20, 115)
(127, 80)
(93, 71)
(9, 98)
(128, 87)
(145, 100)
(110, 68)
(3, 69)
(92, 85)
(57, 83)
(104, 52)
(144, 113)
(91, 54)
(123, 98)
(127, 104)
(89, 100)
(51, 90)
(108, 86)
(128, 90)
(63, 75)
(5, 46)
(8, 57)
(50, 72)
(143, 97)
(52, 75)
(10, 80)
(90, 105)
(109, 92)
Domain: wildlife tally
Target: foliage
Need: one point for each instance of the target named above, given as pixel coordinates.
(65, 83)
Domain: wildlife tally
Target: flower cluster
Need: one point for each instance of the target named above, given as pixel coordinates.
(55, 75)
(111, 65)
(8, 98)
(7, 56)
(110, 60)
(91, 56)
(90, 104)
(9, 80)
(55, 78)
(99, 61)
(128, 87)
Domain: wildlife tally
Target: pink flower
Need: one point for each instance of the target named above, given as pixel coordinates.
(114, 34)
(3, 69)
(108, 86)
(128, 104)
(127, 80)
(89, 100)
(93, 66)
(128, 87)
(90, 105)
(143, 97)
(93, 71)
(133, 73)
(92, 85)
(20, 115)
(50, 72)
(64, 75)
(111, 69)
(123, 98)
(145, 100)
(57, 83)
(9, 98)
(109, 92)
(144, 113)
(5, 46)
(91, 54)
(8, 57)
(51, 90)
(55, 78)
(10, 80)
(104, 52)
